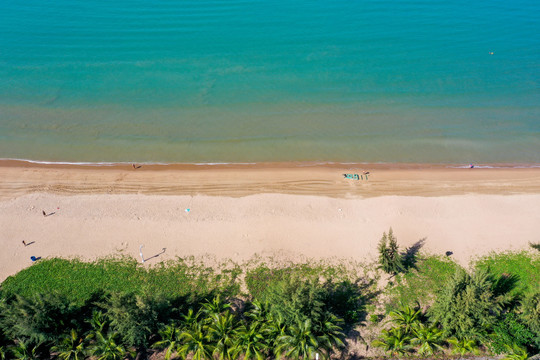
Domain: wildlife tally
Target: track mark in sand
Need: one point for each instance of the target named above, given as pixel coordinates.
(244, 184)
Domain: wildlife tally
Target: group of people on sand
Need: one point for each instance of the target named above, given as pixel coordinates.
(25, 243)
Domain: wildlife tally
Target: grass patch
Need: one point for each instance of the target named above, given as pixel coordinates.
(78, 280)
(260, 276)
(524, 264)
(420, 284)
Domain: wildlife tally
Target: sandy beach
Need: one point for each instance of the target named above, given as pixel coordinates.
(239, 211)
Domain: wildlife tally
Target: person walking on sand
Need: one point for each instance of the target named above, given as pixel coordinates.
(24, 243)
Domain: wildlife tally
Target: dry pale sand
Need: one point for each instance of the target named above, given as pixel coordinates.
(295, 210)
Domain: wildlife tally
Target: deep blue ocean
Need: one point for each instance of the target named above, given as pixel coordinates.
(424, 81)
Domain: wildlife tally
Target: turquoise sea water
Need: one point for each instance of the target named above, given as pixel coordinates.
(248, 81)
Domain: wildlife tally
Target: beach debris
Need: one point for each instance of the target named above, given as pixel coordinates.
(188, 210)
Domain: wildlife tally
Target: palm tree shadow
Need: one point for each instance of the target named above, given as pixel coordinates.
(410, 255)
(155, 256)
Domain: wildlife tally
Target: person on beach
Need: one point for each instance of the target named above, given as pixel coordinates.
(24, 243)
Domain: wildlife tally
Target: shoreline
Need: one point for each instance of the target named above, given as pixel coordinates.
(267, 164)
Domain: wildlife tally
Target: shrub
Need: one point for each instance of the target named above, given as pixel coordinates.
(296, 300)
(390, 260)
(530, 315)
(510, 330)
(345, 300)
(394, 341)
(469, 305)
(40, 319)
(134, 317)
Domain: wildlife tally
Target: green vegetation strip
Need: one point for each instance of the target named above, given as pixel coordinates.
(494, 306)
(78, 280)
(525, 264)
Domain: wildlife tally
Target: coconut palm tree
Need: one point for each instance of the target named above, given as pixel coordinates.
(329, 334)
(222, 329)
(394, 341)
(298, 342)
(275, 328)
(406, 317)
(430, 339)
(106, 347)
(24, 351)
(259, 313)
(190, 320)
(169, 340)
(515, 352)
(463, 346)
(98, 321)
(250, 342)
(196, 343)
(214, 306)
(72, 347)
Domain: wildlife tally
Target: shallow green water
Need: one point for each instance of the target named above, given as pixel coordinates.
(238, 81)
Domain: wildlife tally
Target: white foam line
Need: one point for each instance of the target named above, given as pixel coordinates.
(532, 166)
(300, 164)
(221, 163)
(45, 162)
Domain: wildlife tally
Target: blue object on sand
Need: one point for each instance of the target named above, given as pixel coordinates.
(33, 258)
